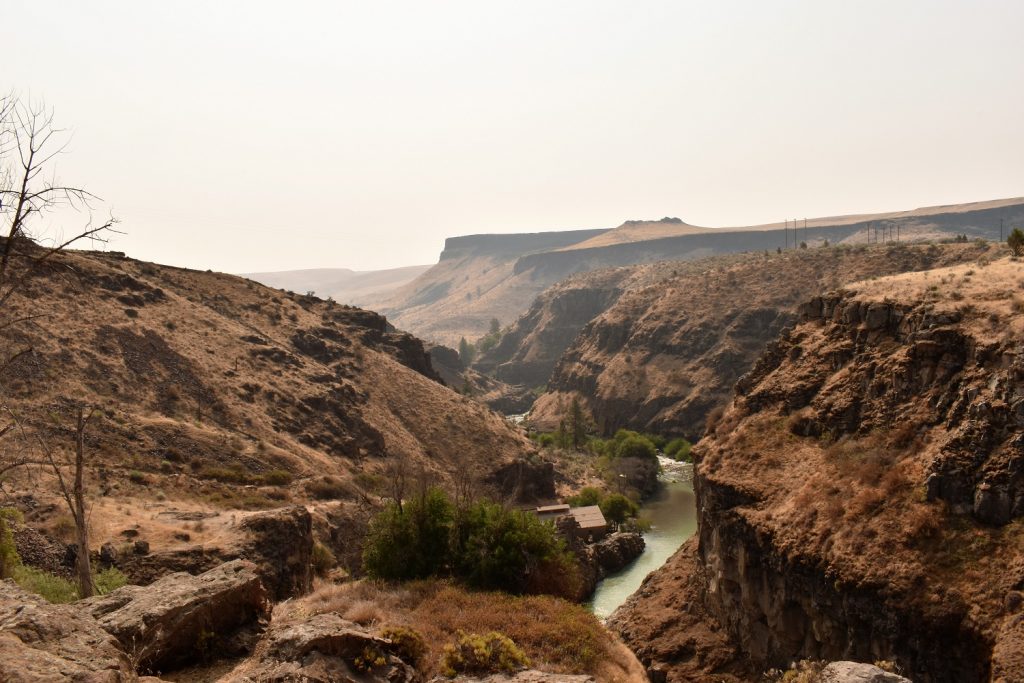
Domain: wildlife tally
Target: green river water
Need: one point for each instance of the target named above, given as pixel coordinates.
(673, 516)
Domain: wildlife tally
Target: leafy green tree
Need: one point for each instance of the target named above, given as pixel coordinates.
(632, 445)
(1015, 241)
(410, 542)
(678, 449)
(617, 508)
(495, 326)
(498, 548)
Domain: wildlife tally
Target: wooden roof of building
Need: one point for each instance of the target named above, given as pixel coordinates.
(589, 517)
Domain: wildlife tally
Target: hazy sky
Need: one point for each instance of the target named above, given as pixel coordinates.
(245, 136)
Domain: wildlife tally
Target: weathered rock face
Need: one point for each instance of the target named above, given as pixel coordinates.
(669, 350)
(854, 672)
(40, 643)
(838, 496)
(522, 677)
(322, 649)
(279, 542)
(617, 550)
(183, 618)
(528, 352)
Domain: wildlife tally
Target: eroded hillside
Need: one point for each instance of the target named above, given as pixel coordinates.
(668, 351)
(219, 394)
(861, 496)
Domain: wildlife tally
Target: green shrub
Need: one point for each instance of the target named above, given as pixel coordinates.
(588, 495)
(137, 477)
(228, 475)
(502, 549)
(53, 588)
(8, 552)
(486, 545)
(678, 449)
(410, 542)
(109, 580)
(546, 440)
(322, 559)
(327, 488)
(58, 590)
(482, 654)
(616, 508)
(407, 644)
(277, 478)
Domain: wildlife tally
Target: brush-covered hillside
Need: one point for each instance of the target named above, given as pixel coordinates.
(667, 352)
(214, 393)
(862, 495)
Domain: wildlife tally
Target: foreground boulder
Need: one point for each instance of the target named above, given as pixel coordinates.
(183, 618)
(322, 649)
(40, 643)
(530, 676)
(855, 672)
(617, 550)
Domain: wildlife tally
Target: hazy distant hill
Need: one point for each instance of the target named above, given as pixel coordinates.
(481, 277)
(341, 284)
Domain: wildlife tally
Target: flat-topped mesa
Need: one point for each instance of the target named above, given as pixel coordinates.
(513, 244)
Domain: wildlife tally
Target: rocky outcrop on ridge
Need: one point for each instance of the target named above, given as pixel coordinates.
(823, 534)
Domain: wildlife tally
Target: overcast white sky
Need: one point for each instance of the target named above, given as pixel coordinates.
(245, 136)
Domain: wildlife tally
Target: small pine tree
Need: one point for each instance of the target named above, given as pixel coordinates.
(466, 352)
(1016, 242)
(495, 326)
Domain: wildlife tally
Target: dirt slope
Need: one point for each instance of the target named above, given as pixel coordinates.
(206, 382)
(668, 351)
(862, 495)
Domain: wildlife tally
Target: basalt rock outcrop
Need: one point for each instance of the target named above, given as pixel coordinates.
(181, 618)
(278, 542)
(617, 550)
(853, 499)
(40, 642)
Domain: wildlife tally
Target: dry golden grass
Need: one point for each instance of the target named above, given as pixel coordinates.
(556, 635)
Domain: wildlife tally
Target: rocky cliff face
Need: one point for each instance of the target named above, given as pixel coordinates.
(854, 499)
(528, 352)
(669, 350)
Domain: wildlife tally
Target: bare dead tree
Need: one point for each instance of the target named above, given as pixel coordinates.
(30, 144)
(397, 473)
(73, 494)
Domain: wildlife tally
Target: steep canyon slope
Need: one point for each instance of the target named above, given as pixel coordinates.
(862, 495)
(668, 351)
